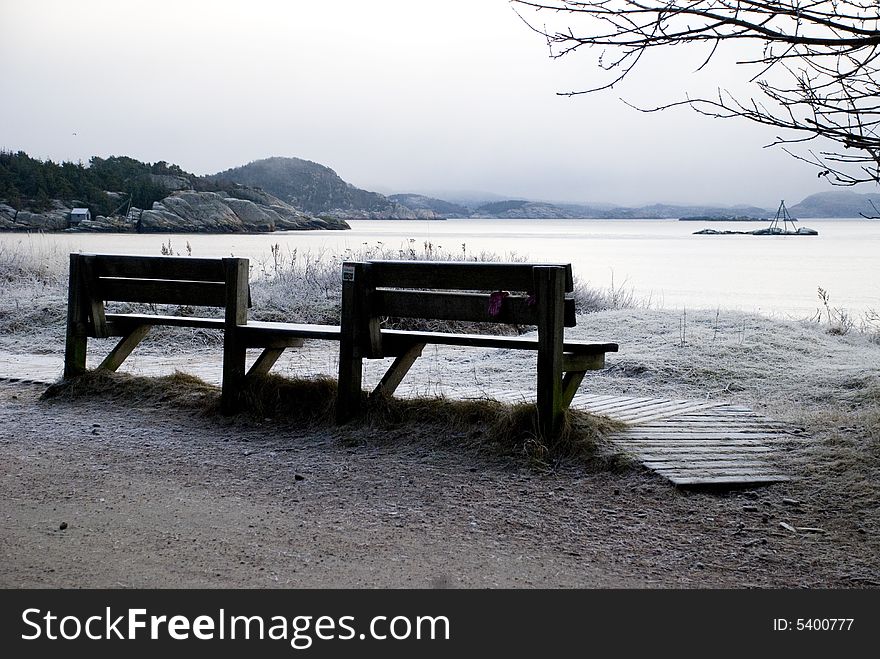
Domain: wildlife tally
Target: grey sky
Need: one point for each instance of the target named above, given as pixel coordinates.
(395, 95)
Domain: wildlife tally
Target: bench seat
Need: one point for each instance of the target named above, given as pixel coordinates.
(392, 339)
(119, 324)
(259, 328)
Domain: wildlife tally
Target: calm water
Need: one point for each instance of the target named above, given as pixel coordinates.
(658, 259)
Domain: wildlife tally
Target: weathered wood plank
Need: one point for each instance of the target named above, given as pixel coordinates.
(695, 437)
(462, 275)
(438, 305)
(641, 408)
(119, 324)
(153, 291)
(651, 415)
(613, 402)
(596, 398)
(402, 338)
(258, 330)
(705, 463)
(729, 480)
(662, 450)
(158, 267)
(714, 472)
(689, 443)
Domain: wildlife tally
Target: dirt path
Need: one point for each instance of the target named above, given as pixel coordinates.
(159, 497)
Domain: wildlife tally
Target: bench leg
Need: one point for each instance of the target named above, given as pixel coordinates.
(398, 370)
(75, 354)
(234, 356)
(550, 290)
(350, 384)
(234, 348)
(123, 349)
(265, 361)
(76, 340)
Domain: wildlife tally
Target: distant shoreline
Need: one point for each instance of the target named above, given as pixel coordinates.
(723, 219)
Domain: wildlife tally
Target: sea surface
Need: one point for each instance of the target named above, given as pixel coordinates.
(660, 262)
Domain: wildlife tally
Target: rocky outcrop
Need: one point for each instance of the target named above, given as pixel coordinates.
(393, 211)
(214, 212)
(54, 219)
(171, 182)
(184, 211)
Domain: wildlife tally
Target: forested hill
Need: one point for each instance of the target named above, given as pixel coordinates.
(126, 195)
(31, 184)
(317, 189)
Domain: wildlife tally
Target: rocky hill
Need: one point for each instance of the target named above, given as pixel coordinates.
(520, 209)
(37, 195)
(239, 210)
(838, 203)
(318, 190)
(439, 207)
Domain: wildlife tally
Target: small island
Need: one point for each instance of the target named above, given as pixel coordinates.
(778, 227)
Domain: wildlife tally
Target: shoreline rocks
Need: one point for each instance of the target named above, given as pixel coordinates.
(183, 211)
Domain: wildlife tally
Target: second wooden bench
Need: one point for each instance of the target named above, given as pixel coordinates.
(510, 293)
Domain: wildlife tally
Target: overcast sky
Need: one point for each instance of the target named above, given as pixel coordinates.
(395, 95)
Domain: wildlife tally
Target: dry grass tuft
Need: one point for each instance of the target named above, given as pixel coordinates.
(179, 390)
(308, 401)
(499, 428)
(484, 425)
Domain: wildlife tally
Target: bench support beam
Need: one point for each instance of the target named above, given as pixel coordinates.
(398, 370)
(264, 362)
(570, 383)
(123, 349)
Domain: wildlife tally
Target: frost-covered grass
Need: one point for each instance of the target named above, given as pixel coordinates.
(807, 373)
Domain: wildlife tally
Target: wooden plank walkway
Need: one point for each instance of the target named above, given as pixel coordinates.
(691, 443)
(694, 443)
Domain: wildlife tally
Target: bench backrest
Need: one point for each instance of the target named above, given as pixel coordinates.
(454, 290)
(204, 282)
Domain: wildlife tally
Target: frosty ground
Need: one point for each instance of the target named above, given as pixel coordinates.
(154, 489)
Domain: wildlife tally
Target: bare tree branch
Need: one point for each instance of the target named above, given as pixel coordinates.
(818, 74)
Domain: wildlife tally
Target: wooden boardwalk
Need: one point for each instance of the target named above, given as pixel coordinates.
(696, 442)
(691, 443)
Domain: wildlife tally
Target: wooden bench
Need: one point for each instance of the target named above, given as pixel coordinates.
(511, 293)
(190, 282)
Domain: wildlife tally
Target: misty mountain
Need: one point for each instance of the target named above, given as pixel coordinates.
(316, 189)
(517, 208)
(441, 208)
(838, 203)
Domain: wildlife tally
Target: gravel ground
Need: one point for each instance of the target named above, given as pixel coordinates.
(100, 491)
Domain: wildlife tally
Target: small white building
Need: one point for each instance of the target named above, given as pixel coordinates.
(77, 215)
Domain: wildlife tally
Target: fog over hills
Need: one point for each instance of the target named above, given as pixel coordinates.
(317, 189)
